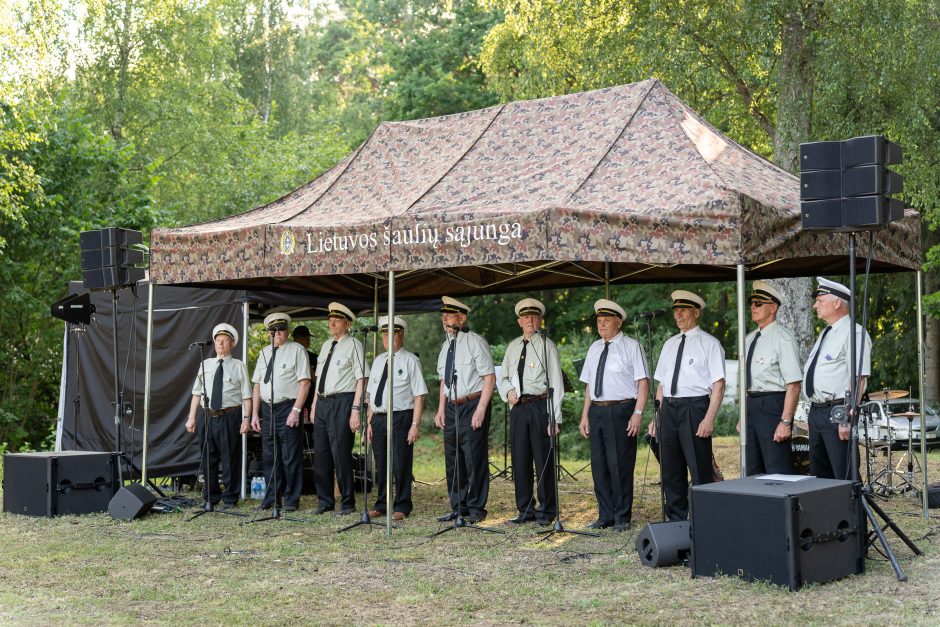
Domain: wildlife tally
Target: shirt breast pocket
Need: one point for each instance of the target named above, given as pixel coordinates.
(616, 364)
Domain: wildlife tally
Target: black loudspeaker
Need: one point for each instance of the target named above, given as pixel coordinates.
(789, 532)
(132, 501)
(664, 543)
(58, 483)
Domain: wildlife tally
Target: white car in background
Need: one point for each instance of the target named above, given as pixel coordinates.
(886, 424)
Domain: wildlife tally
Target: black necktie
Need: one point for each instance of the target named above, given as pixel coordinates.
(270, 370)
(675, 370)
(810, 390)
(449, 366)
(599, 381)
(216, 399)
(381, 388)
(520, 367)
(326, 368)
(750, 356)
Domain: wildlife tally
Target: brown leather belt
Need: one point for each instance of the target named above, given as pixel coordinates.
(465, 399)
(215, 413)
(531, 398)
(612, 403)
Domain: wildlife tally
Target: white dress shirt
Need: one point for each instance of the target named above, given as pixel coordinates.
(703, 363)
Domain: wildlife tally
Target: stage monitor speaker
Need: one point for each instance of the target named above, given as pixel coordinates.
(664, 543)
(789, 531)
(131, 501)
(58, 483)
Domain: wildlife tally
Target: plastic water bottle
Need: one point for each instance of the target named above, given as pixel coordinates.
(262, 487)
(255, 486)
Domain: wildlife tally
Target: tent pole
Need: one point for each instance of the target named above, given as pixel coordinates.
(147, 371)
(607, 280)
(921, 378)
(742, 384)
(389, 408)
(242, 493)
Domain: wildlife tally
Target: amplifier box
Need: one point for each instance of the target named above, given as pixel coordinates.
(58, 483)
(789, 530)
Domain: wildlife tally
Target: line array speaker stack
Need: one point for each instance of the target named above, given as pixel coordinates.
(110, 257)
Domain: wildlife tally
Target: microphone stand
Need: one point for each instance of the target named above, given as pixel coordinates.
(207, 506)
(459, 522)
(557, 527)
(365, 519)
(658, 439)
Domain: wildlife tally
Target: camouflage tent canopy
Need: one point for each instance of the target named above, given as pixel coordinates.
(624, 184)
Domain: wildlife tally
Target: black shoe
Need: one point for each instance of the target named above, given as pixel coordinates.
(520, 520)
(290, 508)
(322, 509)
(600, 524)
(475, 518)
(266, 505)
(621, 526)
(447, 517)
(346, 511)
(227, 506)
(544, 523)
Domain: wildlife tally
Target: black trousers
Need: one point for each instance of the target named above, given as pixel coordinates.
(763, 454)
(332, 451)
(220, 445)
(613, 458)
(683, 452)
(532, 447)
(289, 454)
(828, 455)
(402, 457)
(468, 472)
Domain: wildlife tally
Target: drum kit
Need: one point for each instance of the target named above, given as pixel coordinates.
(878, 435)
(880, 441)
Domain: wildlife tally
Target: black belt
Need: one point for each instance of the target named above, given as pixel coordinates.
(215, 413)
(336, 395)
(759, 394)
(409, 410)
(531, 398)
(826, 404)
(612, 403)
(282, 403)
(683, 400)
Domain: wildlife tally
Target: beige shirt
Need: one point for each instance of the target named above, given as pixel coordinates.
(776, 359)
(347, 365)
(236, 386)
(541, 354)
(472, 361)
(831, 379)
(408, 381)
(291, 366)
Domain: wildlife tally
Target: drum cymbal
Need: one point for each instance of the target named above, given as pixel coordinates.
(887, 395)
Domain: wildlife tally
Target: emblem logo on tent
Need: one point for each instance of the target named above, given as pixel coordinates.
(287, 242)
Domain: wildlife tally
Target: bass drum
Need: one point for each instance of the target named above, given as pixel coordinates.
(799, 451)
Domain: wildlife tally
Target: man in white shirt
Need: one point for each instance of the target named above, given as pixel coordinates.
(691, 376)
(341, 374)
(228, 391)
(468, 377)
(827, 378)
(616, 387)
(281, 383)
(408, 392)
(531, 369)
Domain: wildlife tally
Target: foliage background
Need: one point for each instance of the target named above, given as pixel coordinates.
(143, 113)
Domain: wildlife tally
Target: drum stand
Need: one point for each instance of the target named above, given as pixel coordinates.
(907, 479)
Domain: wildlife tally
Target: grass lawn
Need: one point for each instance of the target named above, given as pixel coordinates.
(162, 569)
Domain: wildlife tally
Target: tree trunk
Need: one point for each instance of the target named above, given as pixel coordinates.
(794, 125)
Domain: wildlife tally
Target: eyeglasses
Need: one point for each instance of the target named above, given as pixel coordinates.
(755, 303)
(277, 326)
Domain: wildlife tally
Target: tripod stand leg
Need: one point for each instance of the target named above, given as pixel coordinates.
(891, 524)
(876, 527)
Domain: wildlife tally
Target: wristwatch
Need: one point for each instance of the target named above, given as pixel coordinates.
(786, 422)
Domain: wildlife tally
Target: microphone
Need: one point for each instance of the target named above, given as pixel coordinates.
(369, 329)
(656, 313)
(201, 343)
(463, 329)
(544, 332)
